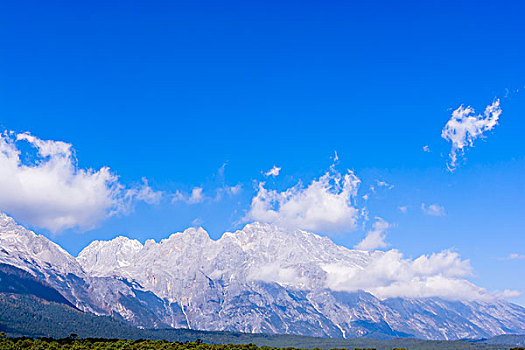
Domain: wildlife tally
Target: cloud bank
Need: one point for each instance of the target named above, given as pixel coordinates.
(325, 205)
(464, 127)
(389, 274)
(41, 185)
(385, 274)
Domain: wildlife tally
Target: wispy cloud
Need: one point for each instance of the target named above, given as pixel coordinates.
(226, 190)
(513, 256)
(464, 127)
(145, 193)
(384, 184)
(426, 148)
(49, 190)
(197, 222)
(403, 209)
(195, 196)
(433, 209)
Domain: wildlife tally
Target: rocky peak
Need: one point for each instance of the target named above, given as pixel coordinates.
(25, 249)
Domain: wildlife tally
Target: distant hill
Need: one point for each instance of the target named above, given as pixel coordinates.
(512, 339)
(27, 315)
(18, 281)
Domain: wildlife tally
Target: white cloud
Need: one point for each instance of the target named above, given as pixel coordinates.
(273, 171)
(508, 294)
(385, 274)
(275, 272)
(464, 127)
(196, 195)
(433, 209)
(197, 222)
(226, 190)
(426, 148)
(384, 184)
(326, 205)
(335, 158)
(375, 238)
(220, 172)
(235, 189)
(403, 209)
(388, 274)
(178, 196)
(49, 190)
(514, 256)
(145, 193)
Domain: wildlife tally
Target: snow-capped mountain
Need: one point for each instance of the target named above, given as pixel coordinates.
(45, 260)
(259, 279)
(256, 253)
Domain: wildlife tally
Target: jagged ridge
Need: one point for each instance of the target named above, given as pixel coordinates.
(259, 279)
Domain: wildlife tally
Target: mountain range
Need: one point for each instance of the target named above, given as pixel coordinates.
(261, 279)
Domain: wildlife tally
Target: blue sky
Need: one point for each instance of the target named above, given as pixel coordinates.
(212, 95)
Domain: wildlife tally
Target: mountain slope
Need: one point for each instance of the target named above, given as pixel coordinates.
(261, 279)
(265, 279)
(16, 281)
(507, 339)
(26, 315)
(52, 265)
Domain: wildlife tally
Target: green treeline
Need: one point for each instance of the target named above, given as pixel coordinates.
(74, 343)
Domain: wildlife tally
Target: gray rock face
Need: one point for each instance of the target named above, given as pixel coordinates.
(259, 279)
(98, 295)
